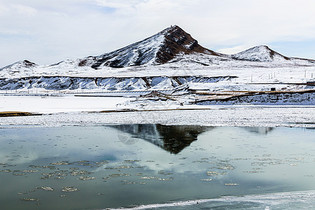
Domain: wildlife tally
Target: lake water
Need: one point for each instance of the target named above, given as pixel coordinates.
(150, 166)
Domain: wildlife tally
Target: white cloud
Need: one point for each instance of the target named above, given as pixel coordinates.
(24, 10)
(16, 9)
(48, 32)
(119, 4)
(3, 10)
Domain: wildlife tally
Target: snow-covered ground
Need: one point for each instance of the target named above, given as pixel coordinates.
(254, 77)
(252, 116)
(70, 110)
(246, 75)
(188, 65)
(51, 105)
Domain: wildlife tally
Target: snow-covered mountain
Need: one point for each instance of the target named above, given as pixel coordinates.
(172, 45)
(264, 54)
(260, 54)
(25, 64)
(157, 49)
(169, 54)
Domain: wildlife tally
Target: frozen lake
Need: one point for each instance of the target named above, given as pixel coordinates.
(113, 166)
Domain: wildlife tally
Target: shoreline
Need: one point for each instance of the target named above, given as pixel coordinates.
(218, 116)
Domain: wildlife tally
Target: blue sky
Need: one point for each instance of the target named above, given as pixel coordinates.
(46, 32)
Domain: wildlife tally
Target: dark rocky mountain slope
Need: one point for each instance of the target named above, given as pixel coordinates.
(157, 49)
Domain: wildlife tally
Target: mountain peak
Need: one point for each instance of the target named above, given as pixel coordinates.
(20, 64)
(177, 41)
(171, 28)
(28, 63)
(157, 49)
(261, 53)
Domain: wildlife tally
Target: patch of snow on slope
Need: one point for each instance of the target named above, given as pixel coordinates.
(139, 53)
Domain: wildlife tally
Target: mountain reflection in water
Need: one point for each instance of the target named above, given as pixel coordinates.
(170, 138)
(173, 138)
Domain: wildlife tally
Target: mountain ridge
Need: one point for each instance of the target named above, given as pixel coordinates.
(165, 47)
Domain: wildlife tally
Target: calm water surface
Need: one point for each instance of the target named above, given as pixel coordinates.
(131, 165)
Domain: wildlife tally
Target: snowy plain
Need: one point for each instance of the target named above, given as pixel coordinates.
(68, 111)
(51, 105)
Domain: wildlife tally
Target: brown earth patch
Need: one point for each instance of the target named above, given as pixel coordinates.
(16, 114)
